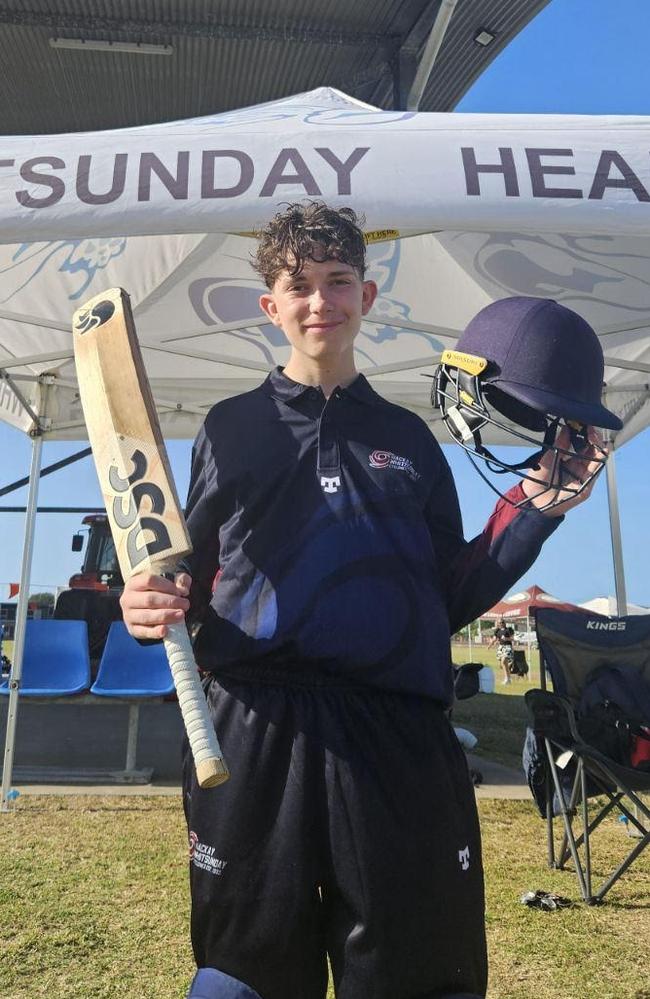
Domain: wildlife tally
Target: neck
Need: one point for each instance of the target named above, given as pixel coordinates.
(307, 371)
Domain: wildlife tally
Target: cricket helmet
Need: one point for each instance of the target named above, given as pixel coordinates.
(535, 363)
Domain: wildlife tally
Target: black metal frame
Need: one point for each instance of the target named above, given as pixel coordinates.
(553, 719)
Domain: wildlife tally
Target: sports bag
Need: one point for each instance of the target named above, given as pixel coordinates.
(611, 713)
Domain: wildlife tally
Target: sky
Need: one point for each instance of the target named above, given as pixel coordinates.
(575, 57)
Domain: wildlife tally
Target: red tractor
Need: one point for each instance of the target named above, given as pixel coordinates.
(95, 591)
(100, 569)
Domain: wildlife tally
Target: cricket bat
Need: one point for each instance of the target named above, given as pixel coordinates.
(144, 513)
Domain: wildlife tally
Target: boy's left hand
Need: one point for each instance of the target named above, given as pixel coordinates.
(573, 469)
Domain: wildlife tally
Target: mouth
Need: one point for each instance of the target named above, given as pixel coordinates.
(322, 327)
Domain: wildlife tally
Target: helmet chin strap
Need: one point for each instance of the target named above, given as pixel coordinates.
(468, 415)
(532, 461)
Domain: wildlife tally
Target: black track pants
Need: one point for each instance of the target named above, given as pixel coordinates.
(348, 828)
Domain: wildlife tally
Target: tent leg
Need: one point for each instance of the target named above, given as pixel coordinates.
(21, 622)
(617, 542)
(615, 532)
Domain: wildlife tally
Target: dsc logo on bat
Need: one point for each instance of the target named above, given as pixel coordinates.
(125, 510)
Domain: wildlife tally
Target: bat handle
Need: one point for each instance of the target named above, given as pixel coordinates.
(211, 768)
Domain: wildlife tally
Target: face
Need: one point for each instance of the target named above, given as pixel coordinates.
(320, 310)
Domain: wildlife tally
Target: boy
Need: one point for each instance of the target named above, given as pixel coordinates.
(348, 827)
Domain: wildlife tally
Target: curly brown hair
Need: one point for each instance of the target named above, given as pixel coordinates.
(309, 231)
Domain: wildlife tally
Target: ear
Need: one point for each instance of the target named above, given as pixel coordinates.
(269, 307)
(369, 295)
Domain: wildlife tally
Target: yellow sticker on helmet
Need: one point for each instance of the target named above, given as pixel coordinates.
(471, 363)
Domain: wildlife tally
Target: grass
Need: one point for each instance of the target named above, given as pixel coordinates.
(94, 905)
(578, 953)
(498, 720)
(94, 902)
(481, 654)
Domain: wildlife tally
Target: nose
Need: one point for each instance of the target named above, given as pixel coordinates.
(319, 301)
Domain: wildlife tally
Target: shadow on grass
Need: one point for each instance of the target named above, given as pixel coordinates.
(629, 906)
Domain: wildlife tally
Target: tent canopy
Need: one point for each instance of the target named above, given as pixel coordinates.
(608, 607)
(522, 604)
(460, 210)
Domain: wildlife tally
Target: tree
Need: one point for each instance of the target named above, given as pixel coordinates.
(42, 599)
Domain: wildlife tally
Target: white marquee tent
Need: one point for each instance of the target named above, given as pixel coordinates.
(460, 210)
(544, 205)
(608, 606)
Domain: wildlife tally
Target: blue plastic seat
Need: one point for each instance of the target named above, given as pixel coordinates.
(56, 662)
(128, 669)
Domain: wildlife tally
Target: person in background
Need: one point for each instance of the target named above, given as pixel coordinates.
(503, 638)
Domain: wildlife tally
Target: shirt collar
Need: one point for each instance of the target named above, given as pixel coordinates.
(280, 387)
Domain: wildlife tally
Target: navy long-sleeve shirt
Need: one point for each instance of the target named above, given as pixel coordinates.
(335, 528)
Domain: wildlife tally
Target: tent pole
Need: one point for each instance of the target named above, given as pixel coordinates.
(21, 621)
(615, 533)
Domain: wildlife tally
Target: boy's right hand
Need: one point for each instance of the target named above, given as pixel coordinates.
(149, 603)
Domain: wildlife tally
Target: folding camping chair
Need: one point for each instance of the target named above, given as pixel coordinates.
(572, 646)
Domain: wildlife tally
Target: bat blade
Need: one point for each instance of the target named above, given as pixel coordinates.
(128, 447)
(135, 477)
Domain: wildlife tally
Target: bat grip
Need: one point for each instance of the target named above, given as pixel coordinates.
(211, 768)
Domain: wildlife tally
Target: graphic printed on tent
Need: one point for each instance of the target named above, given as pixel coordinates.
(494, 219)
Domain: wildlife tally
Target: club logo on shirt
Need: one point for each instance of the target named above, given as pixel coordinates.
(203, 857)
(463, 858)
(386, 459)
(330, 483)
